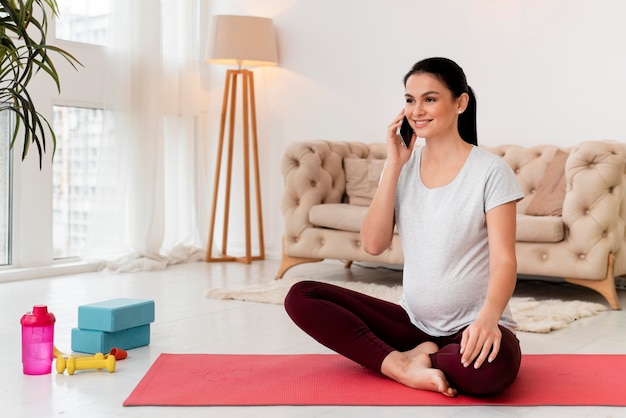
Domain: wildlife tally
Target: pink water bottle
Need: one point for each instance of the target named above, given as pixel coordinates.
(37, 340)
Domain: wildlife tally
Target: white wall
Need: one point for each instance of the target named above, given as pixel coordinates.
(544, 71)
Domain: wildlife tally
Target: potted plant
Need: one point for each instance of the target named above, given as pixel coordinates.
(24, 53)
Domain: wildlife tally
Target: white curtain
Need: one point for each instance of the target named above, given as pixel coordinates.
(151, 207)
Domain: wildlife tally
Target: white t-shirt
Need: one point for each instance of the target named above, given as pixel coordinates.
(444, 240)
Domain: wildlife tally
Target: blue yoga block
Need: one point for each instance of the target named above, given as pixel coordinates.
(116, 314)
(90, 341)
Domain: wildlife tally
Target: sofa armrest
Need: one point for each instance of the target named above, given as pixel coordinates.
(594, 209)
(313, 174)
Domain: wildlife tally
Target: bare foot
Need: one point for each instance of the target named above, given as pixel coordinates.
(416, 373)
(427, 347)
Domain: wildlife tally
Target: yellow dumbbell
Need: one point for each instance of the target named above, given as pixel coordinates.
(99, 361)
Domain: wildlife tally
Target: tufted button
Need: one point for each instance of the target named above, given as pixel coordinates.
(611, 190)
(516, 171)
(322, 242)
(582, 256)
(605, 234)
(313, 183)
(544, 256)
(587, 212)
(533, 190)
(358, 243)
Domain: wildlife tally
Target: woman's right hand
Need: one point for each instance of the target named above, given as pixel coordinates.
(397, 153)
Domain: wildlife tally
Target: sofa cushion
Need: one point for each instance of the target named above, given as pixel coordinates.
(539, 228)
(548, 199)
(362, 176)
(344, 217)
(339, 216)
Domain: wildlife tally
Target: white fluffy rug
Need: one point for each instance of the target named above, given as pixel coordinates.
(531, 315)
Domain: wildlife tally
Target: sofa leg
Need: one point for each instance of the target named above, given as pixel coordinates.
(288, 262)
(347, 264)
(606, 286)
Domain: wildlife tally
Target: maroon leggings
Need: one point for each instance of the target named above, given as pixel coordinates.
(365, 330)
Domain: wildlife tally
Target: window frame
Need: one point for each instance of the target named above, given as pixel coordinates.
(31, 199)
(9, 197)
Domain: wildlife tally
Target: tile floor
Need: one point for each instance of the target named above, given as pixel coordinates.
(187, 322)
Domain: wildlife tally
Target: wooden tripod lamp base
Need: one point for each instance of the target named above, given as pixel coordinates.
(242, 41)
(249, 141)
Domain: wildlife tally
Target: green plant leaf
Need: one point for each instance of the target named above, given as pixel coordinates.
(21, 61)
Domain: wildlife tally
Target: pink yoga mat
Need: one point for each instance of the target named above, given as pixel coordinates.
(329, 379)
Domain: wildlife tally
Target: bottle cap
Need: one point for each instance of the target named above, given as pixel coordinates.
(39, 317)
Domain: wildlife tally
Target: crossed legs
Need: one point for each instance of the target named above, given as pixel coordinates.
(379, 335)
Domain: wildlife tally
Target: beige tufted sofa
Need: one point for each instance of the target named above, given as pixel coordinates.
(584, 246)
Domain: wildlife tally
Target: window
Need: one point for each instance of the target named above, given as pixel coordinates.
(45, 212)
(5, 188)
(84, 21)
(79, 131)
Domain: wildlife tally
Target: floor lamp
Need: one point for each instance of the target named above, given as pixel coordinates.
(242, 41)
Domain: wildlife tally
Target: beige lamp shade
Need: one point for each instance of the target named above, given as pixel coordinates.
(242, 41)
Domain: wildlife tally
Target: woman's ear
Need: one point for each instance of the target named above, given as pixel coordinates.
(462, 102)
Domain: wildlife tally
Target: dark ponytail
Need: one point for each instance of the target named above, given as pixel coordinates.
(467, 120)
(449, 73)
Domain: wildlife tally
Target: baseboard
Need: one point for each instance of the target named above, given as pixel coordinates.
(15, 274)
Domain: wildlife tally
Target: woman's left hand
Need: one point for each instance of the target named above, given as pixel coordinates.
(480, 342)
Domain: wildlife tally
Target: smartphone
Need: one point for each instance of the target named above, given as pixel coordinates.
(406, 132)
